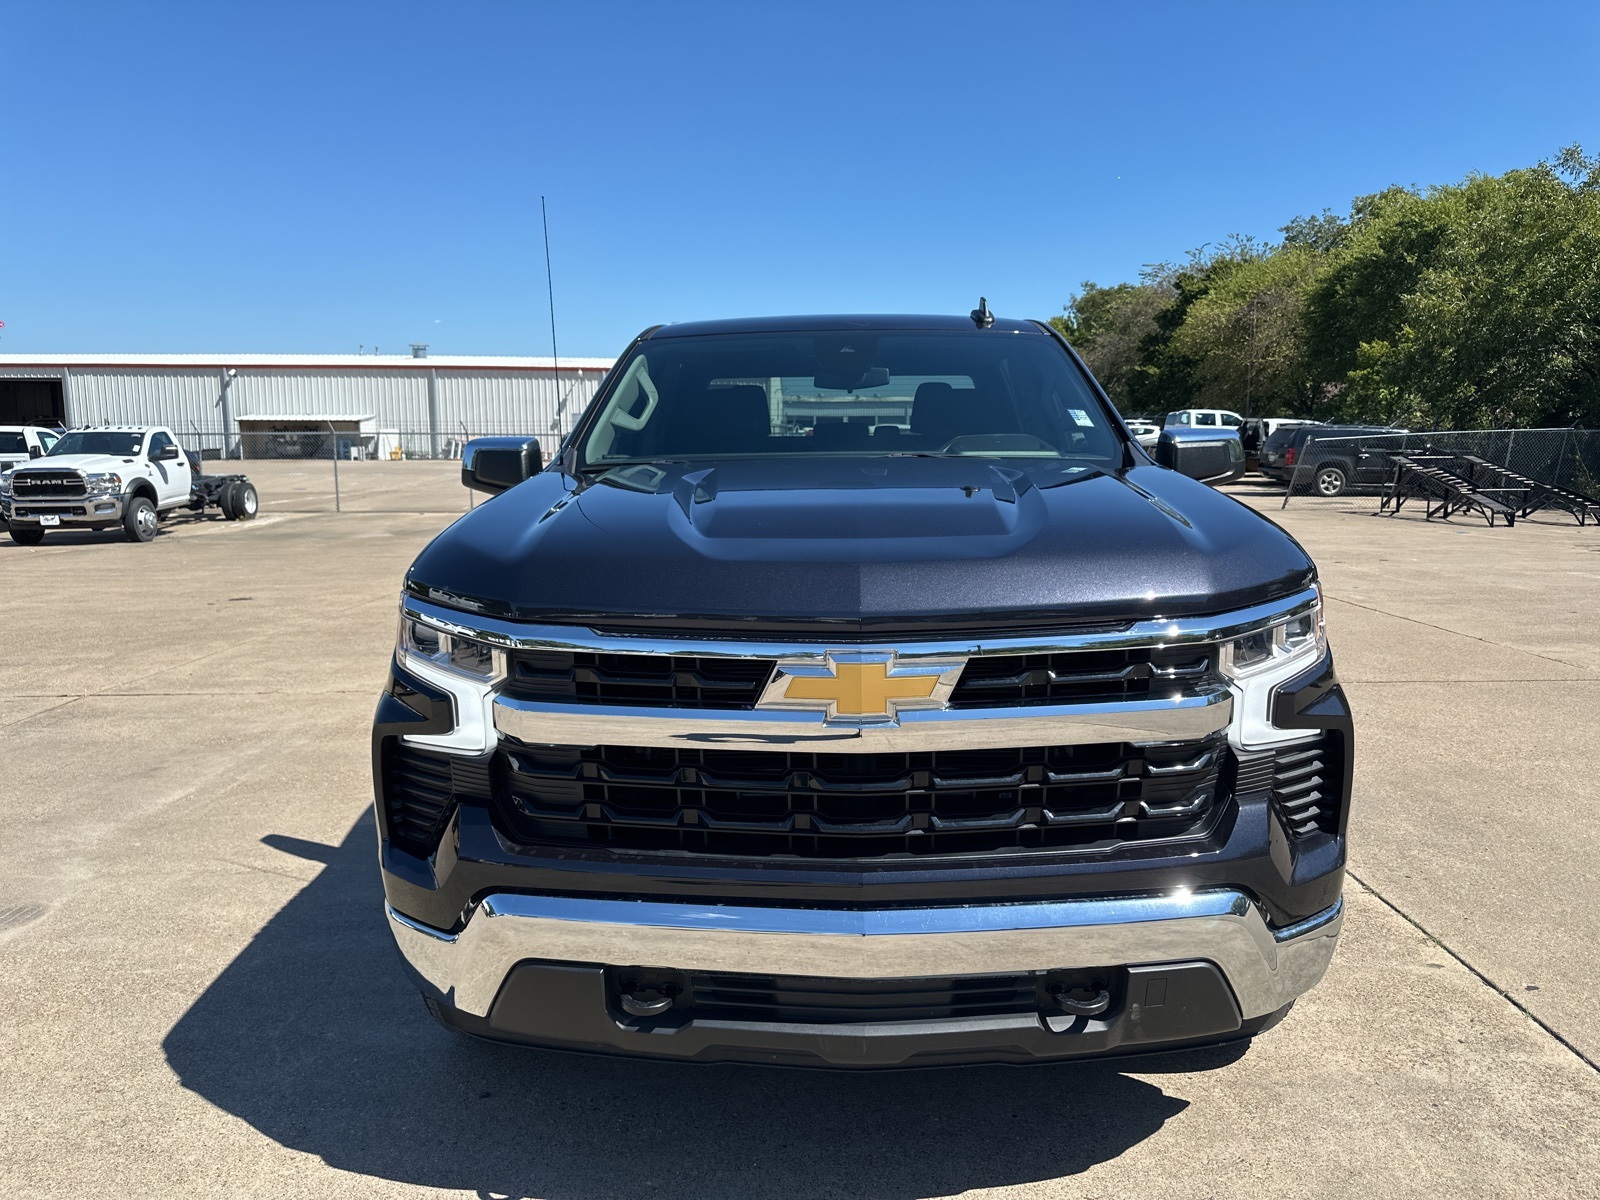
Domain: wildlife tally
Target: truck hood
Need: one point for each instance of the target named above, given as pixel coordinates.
(871, 546)
(86, 463)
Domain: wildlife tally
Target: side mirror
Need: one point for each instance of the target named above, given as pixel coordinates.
(1209, 455)
(493, 464)
(168, 454)
(35, 452)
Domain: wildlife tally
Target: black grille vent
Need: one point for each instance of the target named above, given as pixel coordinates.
(421, 788)
(1301, 788)
(1254, 772)
(1302, 781)
(1083, 676)
(860, 805)
(646, 680)
(47, 483)
(837, 1001)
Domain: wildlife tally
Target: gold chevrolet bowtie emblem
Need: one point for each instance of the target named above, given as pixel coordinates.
(857, 687)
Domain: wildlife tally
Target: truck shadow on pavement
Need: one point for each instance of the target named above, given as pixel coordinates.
(315, 1037)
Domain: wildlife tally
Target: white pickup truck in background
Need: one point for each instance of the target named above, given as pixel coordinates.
(19, 443)
(104, 476)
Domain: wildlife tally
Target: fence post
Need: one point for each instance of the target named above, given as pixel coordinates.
(1298, 464)
(465, 438)
(433, 413)
(335, 436)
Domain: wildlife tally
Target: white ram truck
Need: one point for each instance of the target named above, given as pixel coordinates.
(108, 475)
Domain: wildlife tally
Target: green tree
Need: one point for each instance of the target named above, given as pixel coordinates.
(1246, 334)
(1471, 305)
(1107, 326)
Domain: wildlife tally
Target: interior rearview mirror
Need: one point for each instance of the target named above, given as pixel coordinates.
(852, 379)
(493, 464)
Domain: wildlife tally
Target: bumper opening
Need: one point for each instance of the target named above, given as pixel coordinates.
(573, 1006)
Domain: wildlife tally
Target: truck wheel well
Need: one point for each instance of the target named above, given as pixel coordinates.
(142, 487)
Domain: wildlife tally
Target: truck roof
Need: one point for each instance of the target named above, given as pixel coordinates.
(811, 324)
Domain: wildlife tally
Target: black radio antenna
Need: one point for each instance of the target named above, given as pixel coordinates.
(550, 288)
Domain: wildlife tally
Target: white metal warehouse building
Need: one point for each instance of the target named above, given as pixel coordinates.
(425, 405)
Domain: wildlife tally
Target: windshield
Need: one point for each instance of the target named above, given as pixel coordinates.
(99, 441)
(979, 393)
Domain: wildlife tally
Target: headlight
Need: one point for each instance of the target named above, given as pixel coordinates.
(466, 668)
(5, 482)
(449, 651)
(1255, 664)
(103, 483)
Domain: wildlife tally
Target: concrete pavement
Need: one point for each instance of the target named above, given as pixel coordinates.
(204, 999)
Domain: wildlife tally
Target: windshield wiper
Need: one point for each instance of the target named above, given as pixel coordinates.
(600, 468)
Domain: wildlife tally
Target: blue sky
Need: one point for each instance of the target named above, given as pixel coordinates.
(313, 177)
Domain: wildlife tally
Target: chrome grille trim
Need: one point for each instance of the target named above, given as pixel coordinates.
(1160, 632)
(1188, 718)
(1191, 714)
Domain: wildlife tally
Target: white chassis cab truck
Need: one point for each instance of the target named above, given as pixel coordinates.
(104, 476)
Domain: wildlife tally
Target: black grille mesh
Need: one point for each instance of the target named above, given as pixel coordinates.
(47, 483)
(836, 1001)
(1082, 676)
(860, 805)
(988, 681)
(646, 680)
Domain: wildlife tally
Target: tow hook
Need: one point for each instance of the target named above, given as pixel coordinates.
(1080, 1001)
(647, 1000)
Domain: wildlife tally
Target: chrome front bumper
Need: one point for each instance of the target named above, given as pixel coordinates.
(97, 509)
(1266, 968)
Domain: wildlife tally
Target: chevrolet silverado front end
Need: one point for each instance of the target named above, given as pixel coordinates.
(855, 691)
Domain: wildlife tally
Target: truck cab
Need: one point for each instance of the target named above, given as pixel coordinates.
(98, 477)
(20, 443)
(856, 691)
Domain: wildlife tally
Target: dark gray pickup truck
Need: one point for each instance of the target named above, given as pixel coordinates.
(855, 691)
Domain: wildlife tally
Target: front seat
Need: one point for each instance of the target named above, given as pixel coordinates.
(720, 420)
(939, 413)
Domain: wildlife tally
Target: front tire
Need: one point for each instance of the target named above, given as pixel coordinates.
(139, 520)
(1331, 481)
(26, 535)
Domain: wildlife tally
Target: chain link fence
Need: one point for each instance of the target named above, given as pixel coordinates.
(343, 466)
(1360, 468)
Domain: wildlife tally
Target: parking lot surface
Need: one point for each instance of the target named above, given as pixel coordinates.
(203, 999)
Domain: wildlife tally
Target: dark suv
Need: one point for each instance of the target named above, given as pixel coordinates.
(1341, 456)
(855, 691)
